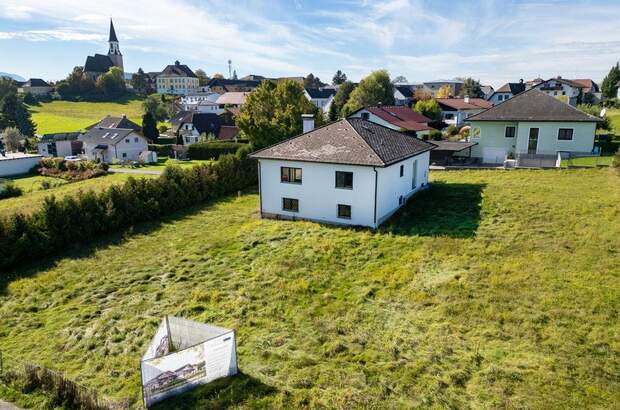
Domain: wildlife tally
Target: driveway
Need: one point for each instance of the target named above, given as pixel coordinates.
(135, 171)
(7, 406)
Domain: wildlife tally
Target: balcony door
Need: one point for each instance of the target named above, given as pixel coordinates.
(532, 144)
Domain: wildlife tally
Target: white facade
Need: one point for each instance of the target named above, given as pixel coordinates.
(128, 149)
(499, 97)
(201, 102)
(322, 103)
(458, 117)
(493, 145)
(17, 163)
(555, 88)
(376, 194)
(63, 148)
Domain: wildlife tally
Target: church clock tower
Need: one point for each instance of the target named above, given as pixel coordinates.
(115, 52)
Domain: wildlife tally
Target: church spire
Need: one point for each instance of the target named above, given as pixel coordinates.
(112, 33)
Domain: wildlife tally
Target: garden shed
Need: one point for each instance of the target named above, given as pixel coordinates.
(184, 354)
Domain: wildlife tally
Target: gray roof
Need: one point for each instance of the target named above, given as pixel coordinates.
(112, 33)
(351, 141)
(454, 146)
(60, 136)
(36, 82)
(178, 69)
(105, 136)
(533, 105)
(320, 92)
(116, 122)
(98, 63)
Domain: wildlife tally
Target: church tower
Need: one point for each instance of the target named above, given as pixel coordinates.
(115, 52)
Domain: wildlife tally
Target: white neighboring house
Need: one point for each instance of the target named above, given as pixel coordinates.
(403, 94)
(349, 172)
(399, 118)
(201, 102)
(531, 125)
(565, 90)
(506, 92)
(321, 97)
(454, 111)
(232, 99)
(113, 144)
(60, 144)
(35, 86)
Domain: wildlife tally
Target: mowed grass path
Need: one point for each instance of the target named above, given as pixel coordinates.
(494, 289)
(68, 116)
(34, 192)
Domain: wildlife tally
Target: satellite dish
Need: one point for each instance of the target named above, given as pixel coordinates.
(603, 112)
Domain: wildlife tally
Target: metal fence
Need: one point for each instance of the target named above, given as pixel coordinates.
(62, 392)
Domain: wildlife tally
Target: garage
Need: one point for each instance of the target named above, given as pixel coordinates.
(491, 155)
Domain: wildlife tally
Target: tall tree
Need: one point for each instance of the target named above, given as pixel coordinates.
(7, 86)
(156, 106)
(341, 98)
(23, 121)
(112, 83)
(372, 90)
(8, 110)
(202, 77)
(445, 91)
(401, 79)
(339, 78)
(139, 81)
(312, 82)
(12, 139)
(609, 86)
(429, 109)
(218, 75)
(273, 112)
(149, 127)
(471, 88)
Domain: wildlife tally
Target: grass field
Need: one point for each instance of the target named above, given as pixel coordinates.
(604, 160)
(494, 289)
(35, 191)
(163, 162)
(64, 116)
(614, 118)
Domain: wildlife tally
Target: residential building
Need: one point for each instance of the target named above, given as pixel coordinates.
(349, 172)
(201, 102)
(487, 90)
(403, 95)
(17, 163)
(531, 125)
(190, 125)
(321, 97)
(565, 90)
(454, 111)
(101, 63)
(402, 119)
(434, 86)
(223, 85)
(590, 90)
(232, 99)
(113, 144)
(35, 86)
(61, 144)
(506, 92)
(177, 79)
(116, 122)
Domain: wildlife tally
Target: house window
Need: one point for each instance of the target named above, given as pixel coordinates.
(135, 139)
(510, 132)
(365, 116)
(565, 134)
(124, 155)
(475, 132)
(449, 116)
(402, 170)
(500, 98)
(344, 179)
(127, 140)
(290, 175)
(344, 211)
(290, 204)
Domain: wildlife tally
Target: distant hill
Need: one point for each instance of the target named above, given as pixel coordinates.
(13, 76)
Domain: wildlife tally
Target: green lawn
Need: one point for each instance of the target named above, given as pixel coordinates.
(614, 118)
(63, 116)
(605, 160)
(35, 191)
(163, 162)
(494, 289)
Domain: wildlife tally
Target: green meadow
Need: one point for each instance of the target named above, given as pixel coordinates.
(492, 289)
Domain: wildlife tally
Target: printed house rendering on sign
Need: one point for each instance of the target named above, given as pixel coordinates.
(531, 125)
(351, 172)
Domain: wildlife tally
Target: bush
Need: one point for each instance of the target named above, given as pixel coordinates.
(616, 161)
(165, 141)
(162, 150)
(212, 150)
(452, 130)
(87, 215)
(611, 103)
(9, 190)
(435, 135)
(72, 170)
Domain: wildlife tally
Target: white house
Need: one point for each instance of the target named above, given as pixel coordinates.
(436, 85)
(35, 86)
(113, 144)
(531, 125)
(17, 163)
(350, 172)
(201, 102)
(454, 111)
(321, 97)
(403, 95)
(60, 144)
(565, 90)
(399, 118)
(506, 92)
(232, 99)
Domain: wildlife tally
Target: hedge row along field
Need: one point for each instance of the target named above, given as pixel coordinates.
(85, 216)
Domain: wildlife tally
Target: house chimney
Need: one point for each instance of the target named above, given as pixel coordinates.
(308, 122)
(466, 99)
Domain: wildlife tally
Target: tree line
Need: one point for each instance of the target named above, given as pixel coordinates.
(16, 125)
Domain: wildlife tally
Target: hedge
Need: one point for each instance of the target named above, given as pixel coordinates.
(212, 150)
(165, 140)
(85, 216)
(166, 150)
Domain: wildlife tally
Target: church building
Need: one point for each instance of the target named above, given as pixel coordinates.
(100, 63)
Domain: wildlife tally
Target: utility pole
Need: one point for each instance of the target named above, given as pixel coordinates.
(229, 69)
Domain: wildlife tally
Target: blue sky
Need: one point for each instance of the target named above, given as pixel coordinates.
(495, 41)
